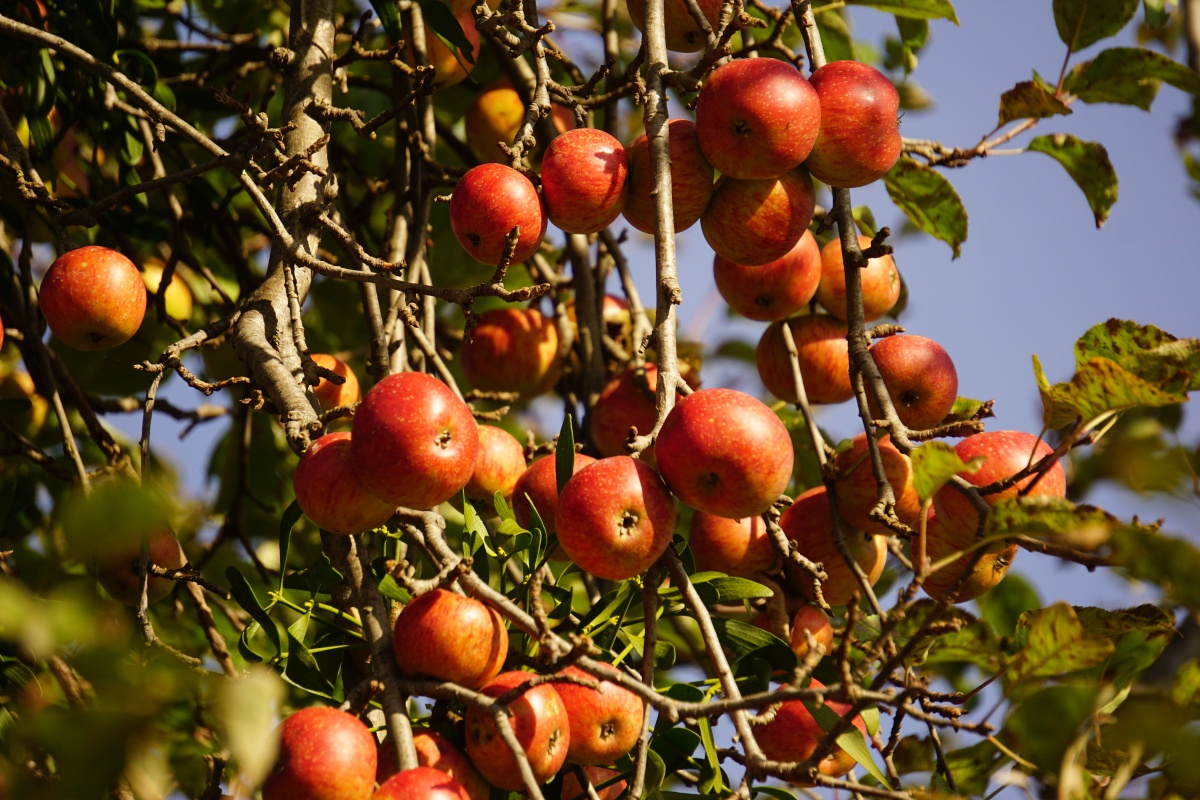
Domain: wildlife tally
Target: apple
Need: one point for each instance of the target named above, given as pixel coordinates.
(414, 442)
(421, 783)
(331, 494)
(942, 542)
(488, 202)
(880, 282)
(754, 222)
(626, 401)
(18, 384)
(809, 523)
(597, 776)
(118, 571)
(447, 66)
(857, 492)
(1, 333)
(738, 547)
(495, 115)
(793, 735)
(324, 754)
(501, 462)
(757, 118)
(178, 297)
(433, 750)
(330, 394)
(691, 179)
(724, 452)
(821, 351)
(859, 140)
(512, 350)
(920, 378)
(93, 298)
(450, 637)
(775, 290)
(539, 720)
(615, 518)
(810, 619)
(605, 722)
(683, 35)
(583, 180)
(539, 483)
(1006, 454)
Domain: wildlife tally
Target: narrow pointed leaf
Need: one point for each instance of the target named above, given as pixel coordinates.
(564, 454)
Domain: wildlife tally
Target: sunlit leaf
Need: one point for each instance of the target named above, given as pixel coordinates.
(1098, 387)
(1088, 165)
(934, 464)
(1148, 352)
(245, 708)
(1044, 745)
(918, 9)
(851, 740)
(929, 200)
(1054, 642)
(1082, 23)
(1030, 100)
(1168, 562)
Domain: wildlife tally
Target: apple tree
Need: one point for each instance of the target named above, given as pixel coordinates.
(457, 514)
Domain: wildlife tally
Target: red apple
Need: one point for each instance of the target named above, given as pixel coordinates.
(93, 298)
(324, 754)
(757, 118)
(775, 290)
(450, 637)
(422, 783)
(331, 494)
(856, 490)
(859, 140)
(539, 483)
(501, 461)
(628, 400)
(823, 355)
(809, 522)
(880, 282)
(487, 203)
(1006, 454)
(691, 179)
(605, 722)
(754, 222)
(941, 542)
(810, 619)
(683, 35)
(118, 571)
(539, 720)
(513, 350)
(433, 750)
(414, 442)
(739, 547)
(724, 452)
(920, 378)
(597, 776)
(330, 394)
(583, 180)
(615, 518)
(793, 735)
(496, 114)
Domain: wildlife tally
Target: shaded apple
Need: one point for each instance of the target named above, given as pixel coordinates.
(683, 35)
(810, 619)
(117, 570)
(775, 290)
(857, 492)
(793, 735)
(329, 491)
(821, 351)
(495, 115)
(434, 750)
(501, 461)
(512, 350)
(809, 523)
(880, 282)
(942, 542)
(539, 721)
(449, 68)
(598, 777)
(738, 547)
(324, 754)
(859, 140)
(487, 203)
(450, 637)
(626, 401)
(754, 222)
(421, 783)
(178, 297)
(330, 394)
(605, 722)
(93, 298)
(691, 179)
(583, 180)
(920, 378)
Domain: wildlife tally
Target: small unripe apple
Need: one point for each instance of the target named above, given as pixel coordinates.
(487, 203)
(496, 114)
(324, 754)
(821, 351)
(500, 463)
(329, 491)
(583, 180)
(330, 394)
(539, 721)
(93, 298)
(450, 637)
(809, 522)
(772, 291)
(920, 378)
(856, 490)
(682, 33)
(739, 547)
(880, 282)
(691, 179)
(514, 350)
(754, 222)
(859, 140)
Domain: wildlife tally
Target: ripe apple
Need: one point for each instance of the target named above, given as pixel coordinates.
(691, 179)
(857, 492)
(178, 298)
(330, 394)
(809, 522)
(539, 720)
(739, 547)
(859, 140)
(775, 290)
(540, 482)
(450, 637)
(501, 461)
(495, 115)
(513, 350)
(941, 542)
(433, 750)
(823, 355)
(447, 67)
(757, 118)
(487, 203)
(583, 180)
(810, 619)
(615, 518)
(414, 442)
(597, 776)
(1006, 454)
(793, 735)
(118, 571)
(628, 400)
(421, 783)
(331, 494)
(605, 722)
(920, 378)
(93, 298)
(724, 452)
(880, 282)
(324, 754)
(754, 222)
(683, 35)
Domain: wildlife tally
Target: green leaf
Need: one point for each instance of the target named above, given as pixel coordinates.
(1088, 165)
(717, 587)
(772, 791)
(972, 767)
(440, 19)
(1168, 562)
(389, 15)
(503, 511)
(835, 35)
(302, 671)
(564, 454)
(1082, 526)
(929, 200)
(243, 593)
(1045, 744)
(1082, 23)
(1055, 642)
(742, 638)
(1148, 352)
(394, 591)
(1185, 691)
(917, 9)
(1006, 602)
(291, 515)
(965, 408)
(1098, 387)
(1029, 100)
(934, 464)
(1128, 75)
(851, 740)
(163, 94)
(246, 711)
